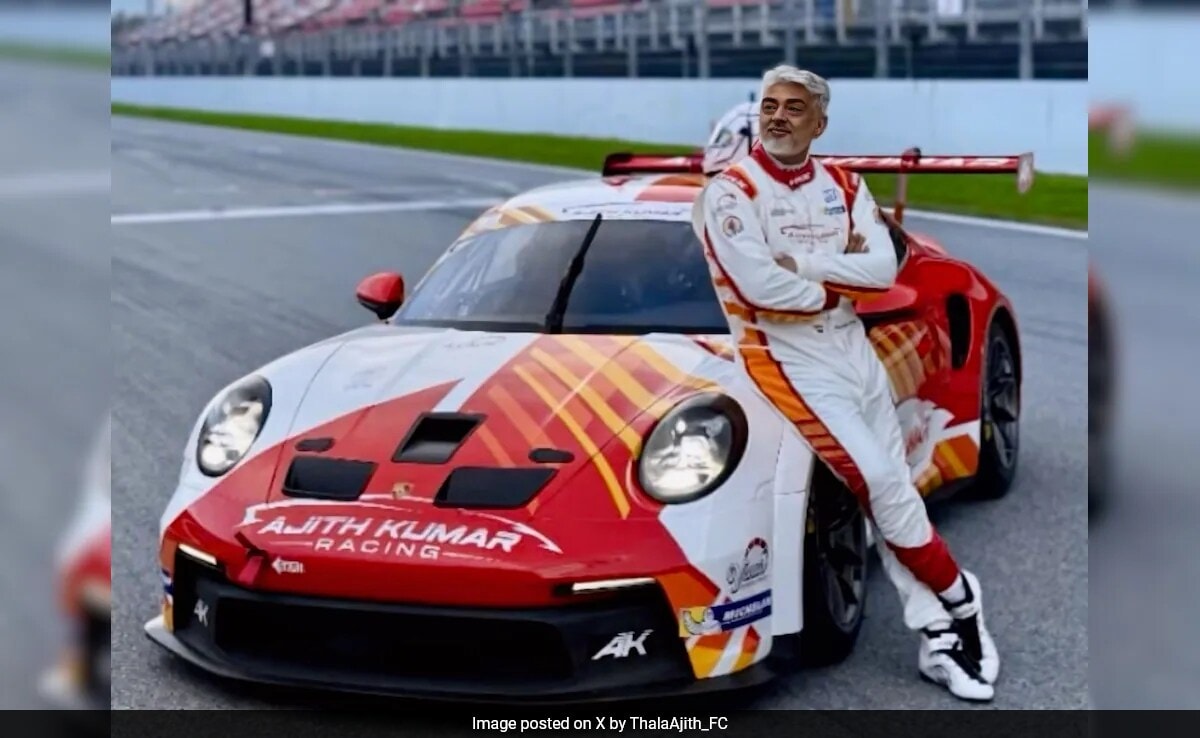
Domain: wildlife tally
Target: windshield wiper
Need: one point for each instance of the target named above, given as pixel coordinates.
(554, 318)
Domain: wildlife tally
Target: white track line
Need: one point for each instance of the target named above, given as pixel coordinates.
(296, 211)
(1002, 225)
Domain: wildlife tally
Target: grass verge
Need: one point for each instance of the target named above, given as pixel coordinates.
(1162, 159)
(91, 58)
(1054, 200)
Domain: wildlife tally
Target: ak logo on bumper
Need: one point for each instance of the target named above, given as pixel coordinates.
(701, 621)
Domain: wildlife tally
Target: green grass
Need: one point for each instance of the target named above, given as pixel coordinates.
(92, 58)
(1165, 160)
(1054, 200)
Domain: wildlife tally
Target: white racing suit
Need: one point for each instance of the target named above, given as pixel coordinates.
(805, 348)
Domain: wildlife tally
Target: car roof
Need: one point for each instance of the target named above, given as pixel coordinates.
(654, 197)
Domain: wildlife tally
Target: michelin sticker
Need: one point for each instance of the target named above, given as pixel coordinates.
(701, 621)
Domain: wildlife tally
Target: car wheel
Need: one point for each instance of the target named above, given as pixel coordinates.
(835, 574)
(1100, 384)
(999, 417)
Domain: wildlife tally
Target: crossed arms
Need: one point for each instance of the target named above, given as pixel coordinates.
(805, 285)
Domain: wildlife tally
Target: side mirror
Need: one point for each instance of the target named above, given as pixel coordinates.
(382, 294)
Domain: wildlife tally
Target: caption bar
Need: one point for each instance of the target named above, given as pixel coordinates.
(604, 722)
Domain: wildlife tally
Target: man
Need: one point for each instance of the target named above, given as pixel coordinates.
(790, 242)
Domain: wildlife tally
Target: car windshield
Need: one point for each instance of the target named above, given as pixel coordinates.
(637, 277)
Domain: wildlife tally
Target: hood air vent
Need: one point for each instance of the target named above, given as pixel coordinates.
(482, 487)
(435, 437)
(327, 479)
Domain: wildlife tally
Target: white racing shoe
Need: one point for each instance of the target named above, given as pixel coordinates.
(943, 660)
(968, 620)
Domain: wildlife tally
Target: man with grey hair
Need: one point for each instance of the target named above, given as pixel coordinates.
(790, 244)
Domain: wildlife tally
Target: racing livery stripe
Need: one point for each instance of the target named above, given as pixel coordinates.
(617, 373)
(749, 649)
(592, 398)
(589, 446)
(493, 444)
(514, 413)
(673, 374)
(956, 457)
(604, 375)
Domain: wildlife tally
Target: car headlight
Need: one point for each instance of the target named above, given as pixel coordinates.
(693, 449)
(232, 425)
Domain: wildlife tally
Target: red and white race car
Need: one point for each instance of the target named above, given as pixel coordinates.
(81, 679)
(543, 476)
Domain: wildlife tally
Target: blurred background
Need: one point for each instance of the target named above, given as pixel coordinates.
(944, 39)
(55, 362)
(1144, 146)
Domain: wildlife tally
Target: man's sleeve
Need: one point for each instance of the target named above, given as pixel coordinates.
(871, 271)
(733, 236)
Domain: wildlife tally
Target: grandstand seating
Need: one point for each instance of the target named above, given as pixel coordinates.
(923, 38)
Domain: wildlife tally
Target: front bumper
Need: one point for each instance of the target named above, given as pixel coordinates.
(544, 655)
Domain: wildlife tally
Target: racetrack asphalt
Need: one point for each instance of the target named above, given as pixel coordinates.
(55, 367)
(264, 241)
(1145, 550)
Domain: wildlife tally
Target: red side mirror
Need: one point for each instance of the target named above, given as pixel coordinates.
(382, 294)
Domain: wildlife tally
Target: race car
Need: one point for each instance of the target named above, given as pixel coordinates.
(81, 679)
(543, 476)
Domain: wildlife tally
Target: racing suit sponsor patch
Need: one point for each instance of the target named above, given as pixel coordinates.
(739, 178)
(700, 621)
(731, 226)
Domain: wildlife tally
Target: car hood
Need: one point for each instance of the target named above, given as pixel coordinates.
(505, 401)
(495, 507)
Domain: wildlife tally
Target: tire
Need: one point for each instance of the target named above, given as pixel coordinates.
(1100, 410)
(999, 417)
(835, 573)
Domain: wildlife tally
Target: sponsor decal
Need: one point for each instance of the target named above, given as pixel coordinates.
(781, 207)
(476, 342)
(644, 210)
(201, 612)
(836, 210)
(726, 203)
(283, 566)
(700, 621)
(753, 567)
(731, 226)
(387, 530)
(830, 195)
(623, 644)
(807, 233)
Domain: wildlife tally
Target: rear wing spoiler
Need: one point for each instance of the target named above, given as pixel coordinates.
(914, 162)
(629, 164)
(910, 162)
